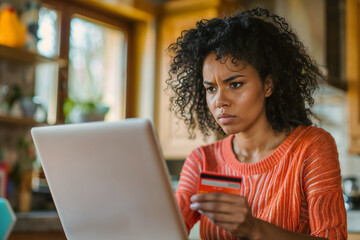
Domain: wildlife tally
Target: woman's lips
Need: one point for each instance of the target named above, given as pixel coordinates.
(225, 118)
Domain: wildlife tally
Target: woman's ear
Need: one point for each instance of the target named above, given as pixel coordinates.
(269, 86)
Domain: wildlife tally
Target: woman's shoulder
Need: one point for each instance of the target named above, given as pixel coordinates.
(218, 143)
(314, 141)
(212, 148)
(308, 139)
(210, 156)
(313, 133)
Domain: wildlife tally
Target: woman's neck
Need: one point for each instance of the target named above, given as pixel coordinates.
(252, 147)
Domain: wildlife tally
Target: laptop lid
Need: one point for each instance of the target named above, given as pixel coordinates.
(109, 181)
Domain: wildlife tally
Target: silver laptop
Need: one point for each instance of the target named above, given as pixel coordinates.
(109, 181)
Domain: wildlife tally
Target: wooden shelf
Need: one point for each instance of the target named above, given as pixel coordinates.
(20, 55)
(19, 121)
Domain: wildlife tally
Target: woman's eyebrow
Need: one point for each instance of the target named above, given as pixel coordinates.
(207, 82)
(225, 80)
(232, 78)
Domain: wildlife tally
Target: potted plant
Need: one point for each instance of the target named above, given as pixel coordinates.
(89, 111)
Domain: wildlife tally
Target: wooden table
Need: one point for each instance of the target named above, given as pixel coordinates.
(37, 236)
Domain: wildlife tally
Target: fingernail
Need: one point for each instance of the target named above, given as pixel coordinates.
(193, 198)
(193, 206)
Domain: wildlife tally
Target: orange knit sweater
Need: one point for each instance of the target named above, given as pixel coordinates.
(297, 187)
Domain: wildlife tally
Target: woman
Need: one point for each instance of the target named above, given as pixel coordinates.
(249, 76)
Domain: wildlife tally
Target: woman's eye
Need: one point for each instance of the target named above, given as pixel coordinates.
(210, 89)
(236, 84)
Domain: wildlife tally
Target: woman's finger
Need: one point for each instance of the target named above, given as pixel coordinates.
(217, 218)
(223, 212)
(220, 207)
(218, 197)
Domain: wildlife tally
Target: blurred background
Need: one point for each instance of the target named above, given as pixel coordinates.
(74, 61)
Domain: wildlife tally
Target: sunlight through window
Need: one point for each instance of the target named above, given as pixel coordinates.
(97, 73)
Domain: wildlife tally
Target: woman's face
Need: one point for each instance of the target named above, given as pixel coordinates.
(235, 94)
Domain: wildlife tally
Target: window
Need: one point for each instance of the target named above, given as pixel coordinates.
(97, 73)
(46, 81)
(91, 85)
(47, 32)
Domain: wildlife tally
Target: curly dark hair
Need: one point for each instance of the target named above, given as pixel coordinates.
(259, 38)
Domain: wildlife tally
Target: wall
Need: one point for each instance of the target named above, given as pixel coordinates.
(306, 17)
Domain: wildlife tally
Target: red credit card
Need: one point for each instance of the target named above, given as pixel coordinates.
(215, 182)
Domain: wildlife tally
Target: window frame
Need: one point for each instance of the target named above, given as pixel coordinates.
(67, 10)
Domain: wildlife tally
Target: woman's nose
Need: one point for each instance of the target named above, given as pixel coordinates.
(221, 99)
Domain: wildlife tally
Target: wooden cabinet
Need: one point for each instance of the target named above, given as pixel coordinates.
(177, 16)
(353, 71)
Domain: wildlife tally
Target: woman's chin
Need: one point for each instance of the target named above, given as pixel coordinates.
(229, 130)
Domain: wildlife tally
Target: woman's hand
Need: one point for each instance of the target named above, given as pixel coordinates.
(232, 213)
(228, 211)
